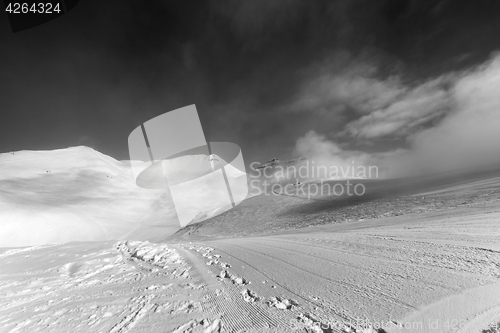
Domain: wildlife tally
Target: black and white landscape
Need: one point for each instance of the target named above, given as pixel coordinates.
(370, 132)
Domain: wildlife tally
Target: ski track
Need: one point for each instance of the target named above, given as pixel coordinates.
(319, 281)
(395, 270)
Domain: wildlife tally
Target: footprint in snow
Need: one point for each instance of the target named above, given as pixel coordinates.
(206, 325)
(249, 296)
(282, 303)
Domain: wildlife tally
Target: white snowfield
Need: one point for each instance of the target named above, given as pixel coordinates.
(76, 194)
(430, 272)
(80, 194)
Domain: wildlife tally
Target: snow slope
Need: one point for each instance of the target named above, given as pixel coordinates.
(433, 269)
(79, 194)
(76, 194)
(436, 272)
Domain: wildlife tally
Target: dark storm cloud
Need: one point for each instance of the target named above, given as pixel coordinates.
(107, 66)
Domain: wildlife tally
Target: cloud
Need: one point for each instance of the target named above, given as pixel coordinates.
(342, 82)
(406, 112)
(324, 152)
(383, 106)
(467, 105)
(470, 135)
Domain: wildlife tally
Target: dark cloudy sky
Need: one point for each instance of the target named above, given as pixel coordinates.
(271, 76)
